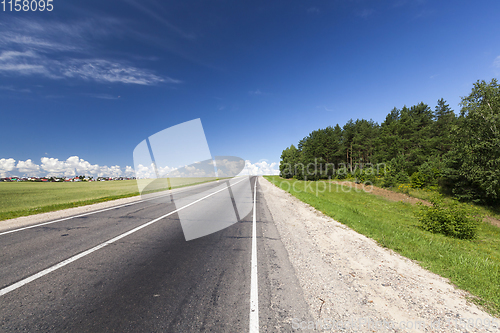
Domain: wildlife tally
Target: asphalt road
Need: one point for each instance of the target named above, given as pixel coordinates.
(151, 280)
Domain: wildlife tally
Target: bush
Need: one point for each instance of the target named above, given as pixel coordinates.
(395, 172)
(454, 219)
(417, 180)
(428, 173)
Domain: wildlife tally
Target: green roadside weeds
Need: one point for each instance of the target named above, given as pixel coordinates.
(428, 193)
(30, 198)
(472, 265)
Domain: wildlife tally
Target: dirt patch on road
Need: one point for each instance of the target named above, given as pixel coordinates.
(349, 280)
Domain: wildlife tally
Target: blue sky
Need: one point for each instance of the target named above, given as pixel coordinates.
(94, 78)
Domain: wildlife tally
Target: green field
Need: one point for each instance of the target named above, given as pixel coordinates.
(471, 265)
(28, 198)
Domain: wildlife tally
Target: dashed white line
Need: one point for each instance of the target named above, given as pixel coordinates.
(100, 246)
(254, 285)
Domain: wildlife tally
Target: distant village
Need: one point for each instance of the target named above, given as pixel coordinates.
(63, 179)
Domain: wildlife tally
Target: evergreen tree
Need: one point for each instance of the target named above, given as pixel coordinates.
(475, 162)
(444, 120)
(463, 153)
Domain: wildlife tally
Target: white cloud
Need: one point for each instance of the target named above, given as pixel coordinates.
(28, 168)
(54, 167)
(229, 167)
(113, 171)
(53, 36)
(75, 166)
(106, 71)
(6, 166)
(313, 10)
(129, 171)
(143, 171)
(7, 55)
(23, 63)
(31, 48)
(80, 166)
(99, 70)
(261, 168)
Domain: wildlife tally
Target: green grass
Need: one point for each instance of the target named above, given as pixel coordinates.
(426, 194)
(471, 265)
(28, 198)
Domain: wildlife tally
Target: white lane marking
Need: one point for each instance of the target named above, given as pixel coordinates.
(95, 248)
(254, 285)
(95, 212)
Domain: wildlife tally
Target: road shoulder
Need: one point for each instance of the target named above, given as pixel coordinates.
(281, 296)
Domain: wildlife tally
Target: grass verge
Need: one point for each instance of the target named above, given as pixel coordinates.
(471, 265)
(426, 194)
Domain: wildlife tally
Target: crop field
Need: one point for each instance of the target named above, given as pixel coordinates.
(28, 198)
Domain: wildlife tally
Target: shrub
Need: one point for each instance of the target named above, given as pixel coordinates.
(454, 219)
(427, 175)
(417, 180)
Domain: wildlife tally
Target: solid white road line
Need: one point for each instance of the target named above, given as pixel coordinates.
(254, 285)
(95, 248)
(95, 212)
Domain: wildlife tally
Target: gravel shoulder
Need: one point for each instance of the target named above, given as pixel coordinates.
(348, 280)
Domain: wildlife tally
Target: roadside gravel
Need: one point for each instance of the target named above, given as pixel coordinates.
(351, 282)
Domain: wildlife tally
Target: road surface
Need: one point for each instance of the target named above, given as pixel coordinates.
(131, 271)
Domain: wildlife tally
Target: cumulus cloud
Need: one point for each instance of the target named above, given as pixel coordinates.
(229, 167)
(53, 167)
(57, 168)
(129, 171)
(143, 171)
(75, 166)
(6, 166)
(261, 168)
(28, 168)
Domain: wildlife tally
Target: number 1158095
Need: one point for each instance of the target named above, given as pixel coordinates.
(27, 5)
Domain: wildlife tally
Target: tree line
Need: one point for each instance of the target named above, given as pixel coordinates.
(417, 145)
